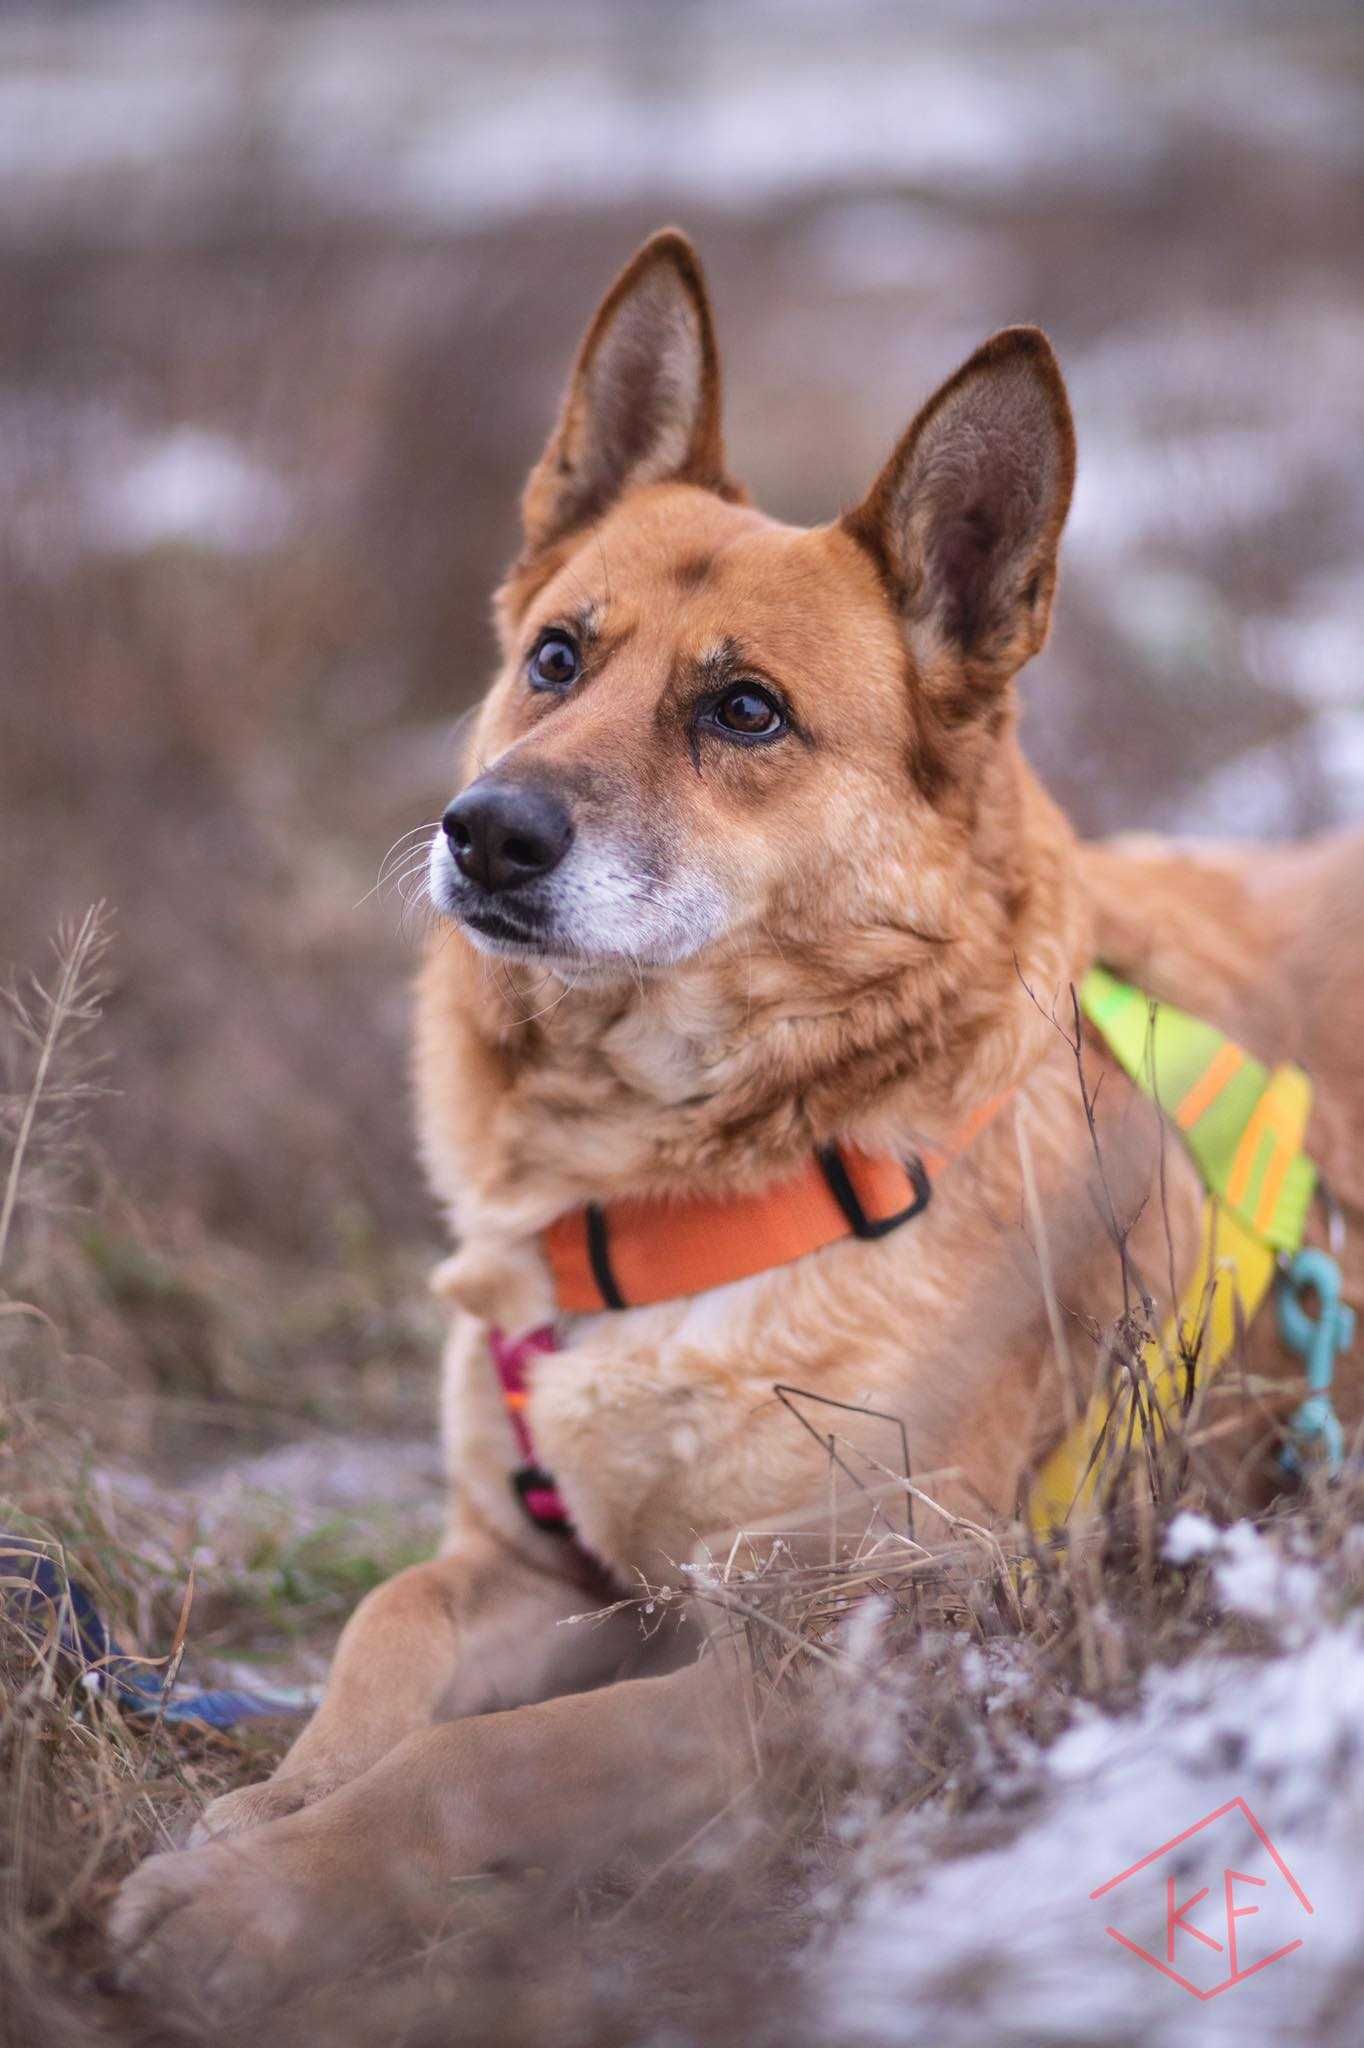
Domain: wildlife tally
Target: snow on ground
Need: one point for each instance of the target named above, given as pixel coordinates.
(189, 486)
(453, 114)
(1319, 653)
(1259, 794)
(460, 114)
(1007, 1945)
(86, 477)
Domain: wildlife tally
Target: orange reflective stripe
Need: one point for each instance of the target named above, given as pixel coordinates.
(1248, 1151)
(1275, 1171)
(1228, 1060)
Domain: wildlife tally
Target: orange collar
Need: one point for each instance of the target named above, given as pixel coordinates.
(631, 1254)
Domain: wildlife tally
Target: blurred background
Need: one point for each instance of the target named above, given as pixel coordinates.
(289, 293)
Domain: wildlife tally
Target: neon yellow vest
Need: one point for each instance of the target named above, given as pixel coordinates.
(1244, 1125)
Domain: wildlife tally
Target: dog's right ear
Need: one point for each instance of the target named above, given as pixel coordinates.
(643, 403)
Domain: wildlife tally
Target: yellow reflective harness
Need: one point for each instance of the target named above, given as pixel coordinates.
(1244, 1125)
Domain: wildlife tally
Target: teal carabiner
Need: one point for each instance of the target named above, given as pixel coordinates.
(1318, 1340)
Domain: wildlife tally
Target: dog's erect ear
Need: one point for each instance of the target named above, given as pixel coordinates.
(643, 403)
(966, 517)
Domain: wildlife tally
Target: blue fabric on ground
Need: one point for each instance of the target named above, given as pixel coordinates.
(48, 1595)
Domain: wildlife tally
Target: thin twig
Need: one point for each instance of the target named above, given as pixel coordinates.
(73, 1003)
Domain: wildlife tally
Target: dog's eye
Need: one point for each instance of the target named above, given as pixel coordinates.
(555, 662)
(748, 713)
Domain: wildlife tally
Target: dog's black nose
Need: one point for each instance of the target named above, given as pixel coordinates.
(505, 833)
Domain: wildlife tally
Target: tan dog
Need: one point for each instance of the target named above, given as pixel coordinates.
(748, 862)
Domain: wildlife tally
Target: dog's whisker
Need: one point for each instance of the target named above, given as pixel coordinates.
(550, 1008)
(416, 832)
(397, 883)
(421, 850)
(397, 854)
(606, 573)
(417, 864)
(774, 941)
(415, 870)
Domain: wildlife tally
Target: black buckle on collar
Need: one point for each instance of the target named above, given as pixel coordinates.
(845, 1194)
(529, 1479)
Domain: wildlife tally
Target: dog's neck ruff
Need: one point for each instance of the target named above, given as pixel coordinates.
(631, 1254)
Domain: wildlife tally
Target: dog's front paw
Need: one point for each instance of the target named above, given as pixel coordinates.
(236, 1925)
(252, 1806)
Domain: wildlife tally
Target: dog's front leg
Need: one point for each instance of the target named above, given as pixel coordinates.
(477, 1628)
(564, 1783)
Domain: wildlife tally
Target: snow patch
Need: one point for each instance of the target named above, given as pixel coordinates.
(1254, 1578)
(1190, 1536)
(1006, 1945)
(1318, 651)
(189, 486)
(1286, 787)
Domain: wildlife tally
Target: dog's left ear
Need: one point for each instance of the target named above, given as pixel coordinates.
(643, 403)
(965, 519)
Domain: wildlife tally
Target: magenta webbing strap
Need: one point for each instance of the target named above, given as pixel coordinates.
(533, 1486)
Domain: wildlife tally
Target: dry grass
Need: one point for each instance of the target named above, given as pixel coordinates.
(81, 1791)
(855, 1662)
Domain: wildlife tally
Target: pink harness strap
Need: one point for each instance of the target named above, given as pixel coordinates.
(533, 1486)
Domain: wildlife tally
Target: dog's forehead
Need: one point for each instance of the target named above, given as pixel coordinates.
(683, 564)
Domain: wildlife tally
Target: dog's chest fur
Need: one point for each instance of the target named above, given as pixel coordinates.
(662, 1427)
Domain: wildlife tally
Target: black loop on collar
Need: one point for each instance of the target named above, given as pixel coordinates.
(845, 1194)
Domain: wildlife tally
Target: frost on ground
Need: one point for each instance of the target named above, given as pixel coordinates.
(1005, 1942)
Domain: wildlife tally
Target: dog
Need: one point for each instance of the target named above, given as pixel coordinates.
(745, 869)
